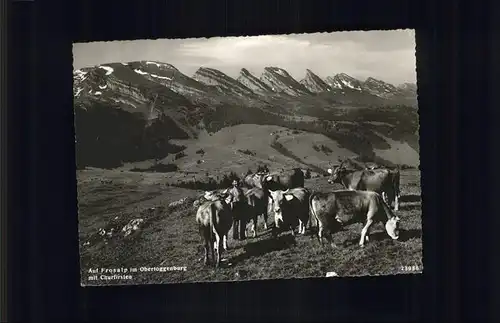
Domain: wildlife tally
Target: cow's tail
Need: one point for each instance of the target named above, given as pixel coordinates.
(396, 180)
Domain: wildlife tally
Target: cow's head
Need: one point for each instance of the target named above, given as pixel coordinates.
(210, 195)
(392, 227)
(279, 199)
(336, 173)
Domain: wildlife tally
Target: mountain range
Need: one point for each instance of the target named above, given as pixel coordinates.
(130, 111)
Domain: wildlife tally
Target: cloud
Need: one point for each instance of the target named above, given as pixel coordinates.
(387, 55)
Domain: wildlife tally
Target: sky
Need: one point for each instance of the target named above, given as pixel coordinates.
(386, 55)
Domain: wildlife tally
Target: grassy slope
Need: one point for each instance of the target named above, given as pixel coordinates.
(169, 236)
(223, 151)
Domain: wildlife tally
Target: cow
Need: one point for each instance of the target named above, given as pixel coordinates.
(352, 163)
(285, 180)
(210, 196)
(382, 181)
(255, 180)
(332, 210)
(258, 200)
(239, 208)
(291, 206)
(214, 222)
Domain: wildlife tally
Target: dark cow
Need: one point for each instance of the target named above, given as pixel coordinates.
(382, 181)
(335, 209)
(239, 209)
(291, 206)
(257, 200)
(214, 222)
(285, 180)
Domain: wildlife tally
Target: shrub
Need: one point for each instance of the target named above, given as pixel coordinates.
(179, 155)
(247, 152)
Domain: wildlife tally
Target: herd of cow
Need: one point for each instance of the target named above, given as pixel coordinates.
(367, 197)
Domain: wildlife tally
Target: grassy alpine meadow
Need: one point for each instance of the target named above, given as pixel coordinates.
(136, 229)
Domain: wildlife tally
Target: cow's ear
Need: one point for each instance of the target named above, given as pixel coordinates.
(225, 191)
(397, 219)
(268, 178)
(288, 197)
(330, 171)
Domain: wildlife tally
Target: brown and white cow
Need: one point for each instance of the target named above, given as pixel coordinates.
(383, 181)
(214, 222)
(286, 179)
(332, 210)
(289, 207)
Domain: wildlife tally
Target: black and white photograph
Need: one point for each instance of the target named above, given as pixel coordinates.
(247, 158)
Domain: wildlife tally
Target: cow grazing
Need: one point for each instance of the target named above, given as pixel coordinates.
(291, 206)
(285, 180)
(335, 209)
(214, 222)
(258, 200)
(382, 181)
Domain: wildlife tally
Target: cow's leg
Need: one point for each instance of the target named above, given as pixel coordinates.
(304, 225)
(254, 225)
(364, 231)
(236, 235)
(206, 247)
(205, 235)
(224, 242)
(330, 239)
(212, 245)
(320, 234)
(265, 220)
(242, 229)
(217, 245)
(396, 202)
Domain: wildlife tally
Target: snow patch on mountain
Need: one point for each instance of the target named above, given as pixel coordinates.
(160, 77)
(108, 69)
(138, 71)
(379, 88)
(344, 81)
